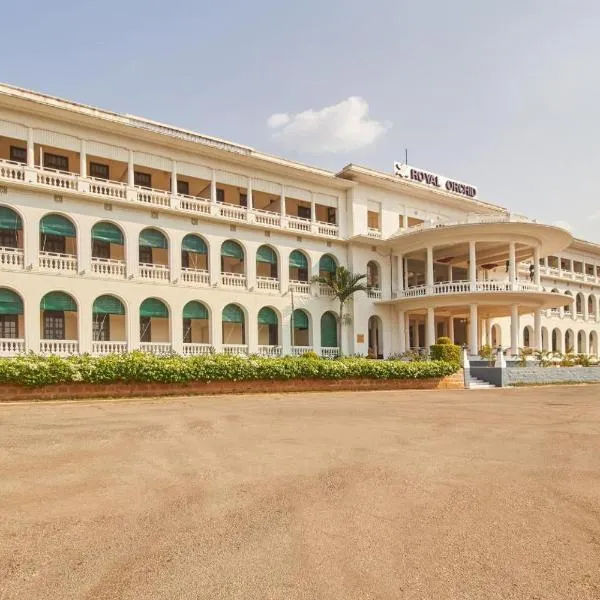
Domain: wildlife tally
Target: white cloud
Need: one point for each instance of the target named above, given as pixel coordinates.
(339, 128)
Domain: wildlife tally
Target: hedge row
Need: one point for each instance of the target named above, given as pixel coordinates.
(31, 370)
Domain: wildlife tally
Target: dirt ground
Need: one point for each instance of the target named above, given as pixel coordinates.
(377, 495)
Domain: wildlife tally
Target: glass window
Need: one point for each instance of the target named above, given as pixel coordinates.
(304, 212)
(53, 243)
(54, 325)
(55, 161)
(101, 328)
(243, 199)
(187, 331)
(220, 195)
(146, 255)
(8, 239)
(18, 154)
(183, 187)
(142, 179)
(9, 326)
(100, 249)
(99, 170)
(145, 329)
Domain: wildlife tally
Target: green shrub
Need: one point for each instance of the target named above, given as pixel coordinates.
(487, 353)
(445, 352)
(444, 341)
(32, 370)
(310, 356)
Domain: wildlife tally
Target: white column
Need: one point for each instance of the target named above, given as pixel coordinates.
(82, 160)
(405, 223)
(84, 328)
(514, 330)
(213, 186)
(407, 331)
(176, 329)
(174, 177)
(430, 327)
(584, 308)
(416, 336)
(537, 329)
(132, 323)
(451, 328)
(473, 326)
(512, 263)
(488, 332)
(559, 266)
(216, 328)
(130, 170)
(313, 212)
(282, 201)
(405, 268)
(429, 268)
(449, 272)
(402, 331)
(536, 260)
(31, 160)
(249, 199)
(400, 282)
(472, 265)
(32, 316)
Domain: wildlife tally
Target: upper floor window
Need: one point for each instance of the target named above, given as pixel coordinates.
(183, 187)
(9, 326)
(331, 215)
(99, 170)
(56, 161)
(243, 199)
(142, 179)
(304, 212)
(220, 195)
(18, 154)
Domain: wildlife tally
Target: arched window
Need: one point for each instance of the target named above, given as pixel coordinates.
(327, 266)
(582, 342)
(266, 263)
(593, 347)
(496, 336)
(300, 328)
(196, 326)
(373, 275)
(109, 322)
(234, 325)
(556, 340)
(194, 253)
(153, 248)
(11, 315)
(57, 235)
(107, 242)
(570, 342)
(232, 258)
(567, 307)
(329, 330)
(375, 330)
(11, 228)
(527, 336)
(58, 317)
(298, 266)
(154, 322)
(579, 301)
(268, 327)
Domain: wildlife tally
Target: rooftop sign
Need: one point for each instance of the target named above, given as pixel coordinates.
(433, 180)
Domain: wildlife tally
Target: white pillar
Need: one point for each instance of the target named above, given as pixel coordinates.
(451, 328)
(512, 263)
(514, 330)
(82, 160)
(313, 212)
(430, 328)
(249, 199)
(407, 331)
(213, 186)
(473, 323)
(488, 332)
(282, 201)
(536, 260)
(405, 268)
(472, 265)
(31, 160)
(400, 282)
(449, 272)
(429, 268)
(216, 329)
(537, 329)
(402, 331)
(130, 170)
(174, 177)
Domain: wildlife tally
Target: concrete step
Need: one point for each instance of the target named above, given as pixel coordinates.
(478, 384)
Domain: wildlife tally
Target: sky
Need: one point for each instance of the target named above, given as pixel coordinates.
(501, 95)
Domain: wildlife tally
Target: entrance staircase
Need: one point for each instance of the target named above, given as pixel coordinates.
(479, 384)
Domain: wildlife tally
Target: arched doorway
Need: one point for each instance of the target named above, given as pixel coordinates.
(375, 330)
(268, 329)
(233, 325)
(196, 328)
(593, 347)
(300, 331)
(582, 342)
(155, 331)
(58, 324)
(496, 336)
(527, 336)
(570, 342)
(12, 331)
(109, 325)
(329, 334)
(556, 340)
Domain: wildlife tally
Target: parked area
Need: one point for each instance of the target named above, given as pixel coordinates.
(387, 495)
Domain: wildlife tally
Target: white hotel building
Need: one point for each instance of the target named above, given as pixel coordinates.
(119, 233)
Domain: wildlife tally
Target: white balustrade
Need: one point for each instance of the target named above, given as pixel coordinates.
(12, 171)
(300, 287)
(11, 257)
(300, 350)
(325, 290)
(59, 347)
(591, 317)
(579, 315)
(329, 352)
(109, 267)
(194, 349)
(195, 276)
(101, 348)
(154, 197)
(237, 280)
(155, 272)
(194, 204)
(267, 283)
(237, 349)
(157, 348)
(328, 229)
(374, 232)
(374, 293)
(57, 179)
(233, 211)
(299, 224)
(264, 217)
(465, 287)
(11, 346)
(469, 220)
(270, 351)
(579, 276)
(108, 189)
(57, 262)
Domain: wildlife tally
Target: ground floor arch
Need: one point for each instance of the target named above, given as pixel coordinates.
(375, 337)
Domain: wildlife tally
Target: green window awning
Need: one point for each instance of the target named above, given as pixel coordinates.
(267, 316)
(329, 331)
(9, 219)
(232, 250)
(152, 307)
(327, 264)
(298, 260)
(57, 225)
(233, 314)
(266, 255)
(10, 303)
(58, 301)
(108, 305)
(107, 232)
(195, 310)
(153, 238)
(300, 319)
(193, 243)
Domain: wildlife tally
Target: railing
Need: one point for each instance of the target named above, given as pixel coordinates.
(195, 349)
(555, 312)
(12, 170)
(233, 280)
(108, 189)
(300, 287)
(464, 287)
(57, 179)
(328, 229)
(11, 346)
(325, 290)
(579, 276)
(157, 348)
(270, 351)
(233, 211)
(196, 276)
(194, 204)
(469, 220)
(330, 352)
(154, 197)
(11, 257)
(109, 267)
(264, 217)
(374, 293)
(300, 350)
(591, 316)
(59, 347)
(237, 349)
(267, 283)
(54, 261)
(100, 348)
(579, 315)
(299, 223)
(156, 272)
(590, 278)
(374, 232)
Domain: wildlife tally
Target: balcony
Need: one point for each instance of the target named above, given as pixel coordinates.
(57, 262)
(264, 217)
(157, 348)
(195, 276)
(330, 352)
(109, 268)
(194, 204)
(234, 280)
(57, 179)
(300, 287)
(232, 211)
(327, 229)
(300, 350)
(466, 287)
(102, 348)
(299, 224)
(374, 293)
(110, 190)
(59, 347)
(236, 349)
(153, 197)
(155, 272)
(325, 290)
(270, 351)
(192, 349)
(270, 284)
(11, 258)
(11, 346)
(12, 171)
(374, 232)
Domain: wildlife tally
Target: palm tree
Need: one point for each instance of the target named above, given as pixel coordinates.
(343, 285)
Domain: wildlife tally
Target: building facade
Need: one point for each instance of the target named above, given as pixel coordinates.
(118, 233)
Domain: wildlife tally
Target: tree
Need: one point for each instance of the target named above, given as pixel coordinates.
(343, 285)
